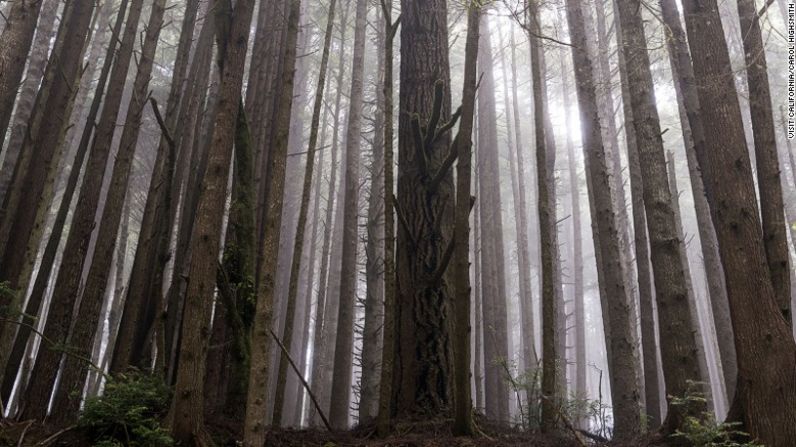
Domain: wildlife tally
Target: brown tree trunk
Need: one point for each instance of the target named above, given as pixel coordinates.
(619, 327)
(256, 407)
(66, 404)
(390, 290)
(15, 44)
(762, 336)
(37, 61)
(463, 413)
(688, 95)
(768, 175)
(186, 415)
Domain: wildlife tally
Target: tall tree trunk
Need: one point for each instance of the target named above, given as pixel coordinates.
(186, 415)
(492, 255)
(762, 336)
(768, 175)
(343, 352)
(254, 429)
(374, 256)
(619, 327)
(15, 44)
(389, 349)
(76, 251)
(677, 329)
(579, 305)
(37, 61)
(66, 405)
(298, 247)
(462, 145)
(683, 70)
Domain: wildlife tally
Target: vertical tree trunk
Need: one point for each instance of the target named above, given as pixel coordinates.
(765, 142)
(762, 337)
(422, 381)
(256, 407)
(390, 291)
(462, 145)
(683, 70)
(618, 325)
(343, 352)
(186, 415)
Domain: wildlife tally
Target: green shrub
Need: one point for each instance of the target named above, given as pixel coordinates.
(704, 430)
(128, 413)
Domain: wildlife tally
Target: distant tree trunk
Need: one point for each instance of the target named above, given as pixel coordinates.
(492, 256)
(37, 61)
(390, 291)
(768, 174)
(478, 364)
(256, 407)
(298, 247)
(545, 164)
(15, 44)
(683, 70)
(39, 149)
(757, 321)
(146, 276)
(66, 404)
(343, 352)
(76, 251)
(374, 257)
(618, 324)
(320, 376)
(462, 398)
(186, 415)
(649, 344)
(579, 305)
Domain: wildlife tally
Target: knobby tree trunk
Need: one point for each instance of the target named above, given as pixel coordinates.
(762, 337)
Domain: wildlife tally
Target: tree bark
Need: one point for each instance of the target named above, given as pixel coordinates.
(762, 336)
(617, 316)
(254, 429)
(769, 184)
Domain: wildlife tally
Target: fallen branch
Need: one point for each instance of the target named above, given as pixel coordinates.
(24, 431)
(303, 381)
(55, 436)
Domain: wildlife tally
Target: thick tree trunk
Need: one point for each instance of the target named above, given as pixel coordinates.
(422, 381)
(677, 329)
(37, 61)
(768, 175)
(66, 404)
(682, 68)
(256, 407)
(186, 415)
(15, 44)
(762, 336)
(619, 327)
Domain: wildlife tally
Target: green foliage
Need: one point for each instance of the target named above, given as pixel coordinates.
(128, 413)
(9, 296)
(702, 430)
